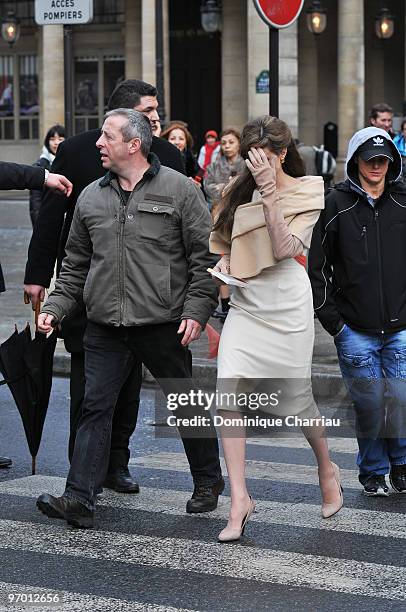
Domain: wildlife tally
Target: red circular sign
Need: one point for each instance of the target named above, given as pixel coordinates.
(279, 13)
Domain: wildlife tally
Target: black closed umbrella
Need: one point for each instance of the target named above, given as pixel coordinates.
(26, 365)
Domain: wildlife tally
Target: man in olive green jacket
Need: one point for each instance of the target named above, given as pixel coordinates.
(137, 255)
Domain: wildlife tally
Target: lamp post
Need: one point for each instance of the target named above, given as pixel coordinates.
(316, 17)
(210, 11)
(10, 28)
(384, 24)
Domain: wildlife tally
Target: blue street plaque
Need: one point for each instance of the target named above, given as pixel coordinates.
(262, 82)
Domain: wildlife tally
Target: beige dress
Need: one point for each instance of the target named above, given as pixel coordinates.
(266, 345)
(267, 341)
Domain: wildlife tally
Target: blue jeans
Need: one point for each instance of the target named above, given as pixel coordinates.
(374, 371)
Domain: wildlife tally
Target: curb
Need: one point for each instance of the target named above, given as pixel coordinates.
(326, 384)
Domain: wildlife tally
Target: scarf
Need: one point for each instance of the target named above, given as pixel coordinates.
(250, 246)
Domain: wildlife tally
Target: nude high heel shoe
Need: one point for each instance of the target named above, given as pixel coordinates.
(233, 535)
(328, 510)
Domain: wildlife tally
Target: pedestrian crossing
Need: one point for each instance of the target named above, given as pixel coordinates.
(263, 470)
(149, 540)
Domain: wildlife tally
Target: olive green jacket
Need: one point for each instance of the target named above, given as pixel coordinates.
(138, 263)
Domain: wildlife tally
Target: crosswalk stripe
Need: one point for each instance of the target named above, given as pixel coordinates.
(263, 470)
(336, 445)
(251, 563)
(170, 501)
(71, 601)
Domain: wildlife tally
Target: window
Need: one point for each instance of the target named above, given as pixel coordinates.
(6, 97)
(29, 104)
(19, 106)
(86, 94)
(95, 79)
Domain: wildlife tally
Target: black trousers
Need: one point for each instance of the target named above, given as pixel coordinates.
(125, 413)
(109, 359)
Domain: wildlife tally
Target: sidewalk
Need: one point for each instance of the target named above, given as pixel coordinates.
(15, 233)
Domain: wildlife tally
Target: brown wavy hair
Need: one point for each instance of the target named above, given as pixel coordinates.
(265, 131)
(178, 126)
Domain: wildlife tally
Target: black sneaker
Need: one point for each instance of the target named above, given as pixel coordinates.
(376, 486)
(397, 477)
(205, 497)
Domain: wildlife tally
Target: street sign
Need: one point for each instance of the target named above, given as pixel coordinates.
(63, 12)
(279, 13)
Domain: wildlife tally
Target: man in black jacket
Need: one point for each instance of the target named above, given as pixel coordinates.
(19, 176)
(357, 265)
(80, 160)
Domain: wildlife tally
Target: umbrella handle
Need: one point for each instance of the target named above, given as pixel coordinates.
(37, 311)
(33, 465)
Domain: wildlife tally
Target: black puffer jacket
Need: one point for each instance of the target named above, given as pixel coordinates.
(357, 260)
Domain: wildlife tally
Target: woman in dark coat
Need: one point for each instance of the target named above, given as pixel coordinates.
(53, 138)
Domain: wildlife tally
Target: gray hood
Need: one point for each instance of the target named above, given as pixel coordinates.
(351, 168)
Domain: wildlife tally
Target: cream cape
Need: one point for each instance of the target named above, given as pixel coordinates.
(250, 247)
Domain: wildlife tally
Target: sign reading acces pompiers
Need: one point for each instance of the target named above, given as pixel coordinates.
(279, 13)
(63, 12)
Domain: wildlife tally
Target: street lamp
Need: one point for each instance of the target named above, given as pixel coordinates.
(384, 24)
(211, 16)
(10, 28)
(316, 17)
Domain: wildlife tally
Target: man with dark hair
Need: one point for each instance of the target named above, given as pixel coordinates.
(381, 116)
(137, 254)
(79, 159)
(19, 176)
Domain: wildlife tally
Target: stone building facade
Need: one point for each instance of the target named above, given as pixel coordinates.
(211, 80)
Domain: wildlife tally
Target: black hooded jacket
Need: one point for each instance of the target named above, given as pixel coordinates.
(357, 259)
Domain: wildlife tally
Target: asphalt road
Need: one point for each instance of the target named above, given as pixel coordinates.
(146, 553)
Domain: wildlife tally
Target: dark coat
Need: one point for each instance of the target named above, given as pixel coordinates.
(79, 160)
(37, 194)
(19, 176)
(357, 261)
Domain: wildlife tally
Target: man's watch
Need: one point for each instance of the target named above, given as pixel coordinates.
(46, 177)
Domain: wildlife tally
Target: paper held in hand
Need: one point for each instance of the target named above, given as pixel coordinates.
(227, 278)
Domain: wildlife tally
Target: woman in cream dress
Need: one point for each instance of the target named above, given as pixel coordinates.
(264, 226)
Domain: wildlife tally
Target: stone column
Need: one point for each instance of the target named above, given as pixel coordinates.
(288, 77)
(52, 106)
(133, 40)
(308, 86)
(258, 60)
(167, 71)
(148, 41)
(351, 72)
(234, 64)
